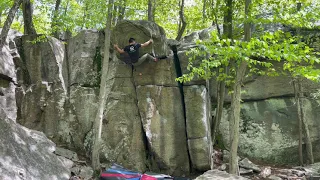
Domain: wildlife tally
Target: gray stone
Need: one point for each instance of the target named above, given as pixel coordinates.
(266, 171)
(198, 126)
(244, 171)
(164, 125)
(122, 135)
(161, 73)
(85, 58)
(221, 175)
(313, 168)
(28, 154)
(264, 87)
(268, 129)
(81, 113)
(246, 163)
(8, 106)
(8, 76)
(197, 111)
(41, 100)
(8, 52)
(86, 173)
(66, 153)
(199, 150)
(273, 177)
(203, 34)
(142, 31)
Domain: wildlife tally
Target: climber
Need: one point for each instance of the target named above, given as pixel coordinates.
(130, 53)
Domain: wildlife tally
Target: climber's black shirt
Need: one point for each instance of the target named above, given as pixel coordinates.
(133, 51)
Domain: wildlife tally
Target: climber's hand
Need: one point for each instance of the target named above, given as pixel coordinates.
(115, 46)
(151, 40)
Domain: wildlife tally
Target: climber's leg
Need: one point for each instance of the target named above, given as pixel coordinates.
(144, 58)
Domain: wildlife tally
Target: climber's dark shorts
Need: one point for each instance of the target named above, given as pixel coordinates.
(127, 59)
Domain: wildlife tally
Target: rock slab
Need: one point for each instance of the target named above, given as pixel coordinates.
(28, 154)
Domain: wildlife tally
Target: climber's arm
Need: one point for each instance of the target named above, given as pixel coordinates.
(147, 43)
(118, 49)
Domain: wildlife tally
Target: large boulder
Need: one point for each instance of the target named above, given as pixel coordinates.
(161, 73)
(8, 76)
(142, 31)
(198, 108)
(163, 122)
(264, 87)
(28, 154)
(268, 129)
(85, 58)
(123, 138)
(42, 97)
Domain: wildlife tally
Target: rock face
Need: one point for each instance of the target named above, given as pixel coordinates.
(151, 121)
(198, 126)
(142, 31)
(28, 154)
(161, 112)
(8, 76)
(268, 129)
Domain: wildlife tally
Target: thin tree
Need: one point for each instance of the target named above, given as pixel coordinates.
(204, 3)
(27, 9)
(151, 10)
(54, 23)
(8, 22)
(236, 99)
(297, 100)
(221, 85)
(103, 94)
(182, 21)
(302, 122)
(122, 10)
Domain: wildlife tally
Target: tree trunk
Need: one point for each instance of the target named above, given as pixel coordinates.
(54, 23)
(8, 22)
(182, 20)
(27, 10)
(84, 15)
(228, 24)
(103, 94)
(221, 88)
(0, 17)
(305, 124)
(297, 99)
(236, 100)
(122, 10)
(204, 10)
(221, 85)
(151, 10)
(115, 15)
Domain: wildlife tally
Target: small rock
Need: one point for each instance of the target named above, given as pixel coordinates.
(244, 171)
(66, 153)
(273, 177)
(223, 167)
(265, 172)
(282, 176)
(86, 173)
(221, 175)
(298, 173)
(246, 163)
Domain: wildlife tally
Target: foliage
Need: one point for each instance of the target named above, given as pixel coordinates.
(261, 52)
